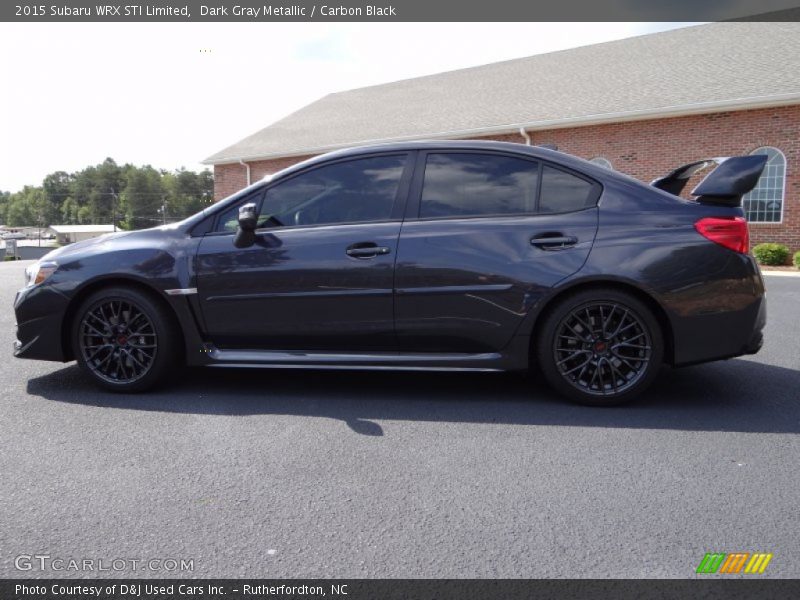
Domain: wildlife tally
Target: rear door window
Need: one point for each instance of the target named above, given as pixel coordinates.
(470, 185)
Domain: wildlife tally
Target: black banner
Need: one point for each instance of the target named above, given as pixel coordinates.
(400, 10)
(405, 589)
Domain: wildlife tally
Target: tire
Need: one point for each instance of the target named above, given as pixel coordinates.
(600, 360)
(125, 340)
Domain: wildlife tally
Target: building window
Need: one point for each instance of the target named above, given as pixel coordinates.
(764, 204)
(602, 162)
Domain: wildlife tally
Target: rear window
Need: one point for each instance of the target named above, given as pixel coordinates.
(564, 192)
(466, 185)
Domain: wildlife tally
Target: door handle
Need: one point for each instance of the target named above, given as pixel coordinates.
(553, 242)
(366, 250)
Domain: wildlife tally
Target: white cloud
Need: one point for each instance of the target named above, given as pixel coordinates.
(170, 94)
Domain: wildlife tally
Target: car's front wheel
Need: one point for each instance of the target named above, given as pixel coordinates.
(124, 339)
(600, 347)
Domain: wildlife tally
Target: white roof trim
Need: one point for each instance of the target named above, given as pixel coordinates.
(581, 121)
(82, 228)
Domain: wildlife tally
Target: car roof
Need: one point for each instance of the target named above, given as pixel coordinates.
(540, 152)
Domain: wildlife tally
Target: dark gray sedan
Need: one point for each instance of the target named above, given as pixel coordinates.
(475, 256)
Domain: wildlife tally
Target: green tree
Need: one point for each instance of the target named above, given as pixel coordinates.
(107, 182)
(187, 192)
(142, 198)
(56, 188)
(4, 199)
(19, 211)
(99, 193)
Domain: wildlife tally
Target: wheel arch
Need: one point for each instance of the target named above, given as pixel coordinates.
(105, 282)
(621, 285)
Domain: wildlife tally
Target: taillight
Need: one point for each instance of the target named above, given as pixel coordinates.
(730, 232)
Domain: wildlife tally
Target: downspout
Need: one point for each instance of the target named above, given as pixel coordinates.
(525, 135)
(246, 166)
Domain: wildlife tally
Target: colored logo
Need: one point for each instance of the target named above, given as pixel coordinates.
(737, 562)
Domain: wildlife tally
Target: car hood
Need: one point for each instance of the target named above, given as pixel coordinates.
(142, 238)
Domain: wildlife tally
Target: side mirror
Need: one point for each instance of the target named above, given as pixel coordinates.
(245, 235)
(248, 217)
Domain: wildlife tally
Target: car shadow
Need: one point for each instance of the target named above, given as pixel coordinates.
(737, 395)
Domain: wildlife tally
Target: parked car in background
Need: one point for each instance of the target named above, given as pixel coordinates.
(474, 256)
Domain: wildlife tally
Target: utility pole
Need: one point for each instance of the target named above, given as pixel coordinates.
(113, 208)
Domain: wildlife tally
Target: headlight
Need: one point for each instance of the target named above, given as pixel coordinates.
(39, 272)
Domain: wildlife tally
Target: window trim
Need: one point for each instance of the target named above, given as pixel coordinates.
(783, 187)
(398, 205)
(414, 203)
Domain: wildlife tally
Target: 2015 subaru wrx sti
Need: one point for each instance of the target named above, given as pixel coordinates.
(432, 255)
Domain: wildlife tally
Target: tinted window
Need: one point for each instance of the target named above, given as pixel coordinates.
(562, 192)
(355, 191)
(460, 185)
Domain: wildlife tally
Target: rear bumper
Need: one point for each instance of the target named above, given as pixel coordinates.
(721, 335)
(757, 336)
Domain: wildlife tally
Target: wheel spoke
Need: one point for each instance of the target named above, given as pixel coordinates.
(594, 376)
(134, 359)
(570, 337)
(97, 332)
(573, 330)
(573, 355)
(614, 373)
(627, 345)
(607, 320)
(105, 360)
(572, 370)
(96, 352)
(584, 324)
(103, 323)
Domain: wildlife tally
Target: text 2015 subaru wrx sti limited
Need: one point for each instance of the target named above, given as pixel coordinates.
(451, 256)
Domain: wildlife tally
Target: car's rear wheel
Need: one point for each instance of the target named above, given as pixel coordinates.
(124, 339)
(600, 347)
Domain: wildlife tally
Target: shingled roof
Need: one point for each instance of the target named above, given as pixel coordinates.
(705, 68)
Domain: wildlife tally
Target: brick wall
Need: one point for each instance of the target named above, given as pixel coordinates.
(230, 178)
(645, 150)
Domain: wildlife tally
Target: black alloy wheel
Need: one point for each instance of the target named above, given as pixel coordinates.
(118, 341)
(124, 339)
(600, 347)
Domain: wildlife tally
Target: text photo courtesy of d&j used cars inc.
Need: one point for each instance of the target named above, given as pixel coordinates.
(421, 300)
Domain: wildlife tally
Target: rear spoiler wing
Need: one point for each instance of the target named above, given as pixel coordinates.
(731, 179)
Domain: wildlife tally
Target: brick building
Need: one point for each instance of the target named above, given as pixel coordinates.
(642, 105)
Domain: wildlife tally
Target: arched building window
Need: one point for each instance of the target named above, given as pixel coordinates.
(764, 204)
(602, 162)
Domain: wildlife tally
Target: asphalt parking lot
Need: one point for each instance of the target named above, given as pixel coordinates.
(263, 473)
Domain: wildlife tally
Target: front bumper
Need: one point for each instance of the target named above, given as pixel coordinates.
(40, 315)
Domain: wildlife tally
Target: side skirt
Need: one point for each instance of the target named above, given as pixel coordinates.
(351, 367)
(405, 361)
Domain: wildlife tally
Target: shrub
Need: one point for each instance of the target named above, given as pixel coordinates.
(796, 259)
(771, 254)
